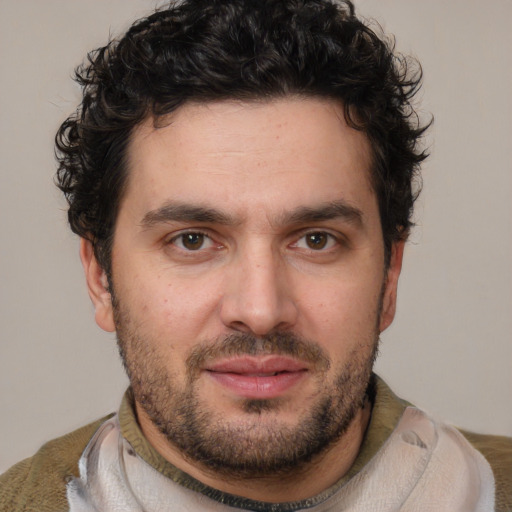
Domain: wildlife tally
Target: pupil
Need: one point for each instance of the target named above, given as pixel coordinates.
(193, 240)
(317, 241)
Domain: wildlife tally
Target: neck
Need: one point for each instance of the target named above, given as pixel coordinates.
(320, 474)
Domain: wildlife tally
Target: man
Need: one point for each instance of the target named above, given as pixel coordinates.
(241, 175)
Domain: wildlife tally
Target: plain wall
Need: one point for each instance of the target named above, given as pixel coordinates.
(449, 350)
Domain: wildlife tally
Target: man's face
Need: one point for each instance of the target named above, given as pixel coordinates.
(249, 281)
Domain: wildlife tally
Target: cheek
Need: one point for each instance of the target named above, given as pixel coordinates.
(341, 313)
(173, 308)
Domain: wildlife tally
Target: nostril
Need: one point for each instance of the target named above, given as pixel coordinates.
(239, 326)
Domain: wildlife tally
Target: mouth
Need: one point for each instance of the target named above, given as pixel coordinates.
(258, 377)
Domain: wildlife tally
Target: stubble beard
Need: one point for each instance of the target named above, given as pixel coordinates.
(260, 445)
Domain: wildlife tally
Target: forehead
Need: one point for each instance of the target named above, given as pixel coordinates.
(262, 155)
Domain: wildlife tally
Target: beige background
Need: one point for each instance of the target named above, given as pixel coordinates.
(450, 348)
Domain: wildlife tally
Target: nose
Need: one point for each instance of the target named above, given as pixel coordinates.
(258, 296)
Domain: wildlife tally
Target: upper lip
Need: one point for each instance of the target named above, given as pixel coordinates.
(251, 365)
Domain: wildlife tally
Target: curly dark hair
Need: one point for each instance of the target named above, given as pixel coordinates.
(208, 50)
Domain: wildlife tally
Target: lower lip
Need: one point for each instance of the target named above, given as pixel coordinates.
(260, 387)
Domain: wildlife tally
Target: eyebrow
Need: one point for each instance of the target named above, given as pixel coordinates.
(327, 211)
(181, 212)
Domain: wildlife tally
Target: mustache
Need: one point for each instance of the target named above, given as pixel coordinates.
(241, 344)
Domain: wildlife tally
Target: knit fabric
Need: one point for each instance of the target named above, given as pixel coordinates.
(38, 484)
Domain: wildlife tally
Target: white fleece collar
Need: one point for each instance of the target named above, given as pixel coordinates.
(424, 466)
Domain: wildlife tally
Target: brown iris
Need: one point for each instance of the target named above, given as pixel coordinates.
(317, 241)
(193, 241)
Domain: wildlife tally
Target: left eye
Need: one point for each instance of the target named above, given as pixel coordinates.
(316, 241)
(192, 241)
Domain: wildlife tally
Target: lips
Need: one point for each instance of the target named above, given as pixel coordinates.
(258, 377)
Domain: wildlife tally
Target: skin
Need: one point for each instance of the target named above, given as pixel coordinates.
(264, 166)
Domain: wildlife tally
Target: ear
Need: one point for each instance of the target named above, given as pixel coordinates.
(97, 284)
(390, 288)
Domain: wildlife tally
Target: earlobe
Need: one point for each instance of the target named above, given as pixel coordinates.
(390, 290)
(97, 285)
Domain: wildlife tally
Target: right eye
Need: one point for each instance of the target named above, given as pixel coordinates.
(192, 241)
